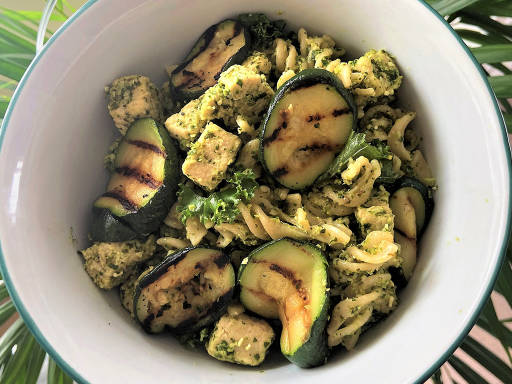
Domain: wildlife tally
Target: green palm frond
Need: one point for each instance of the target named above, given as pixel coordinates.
(21, 358)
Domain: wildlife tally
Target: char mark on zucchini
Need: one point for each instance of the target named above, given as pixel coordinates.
(135, 173)
(280, 172)
(316, 147)
(145, 145)
(315, 117)
(125, 202)
(340, 111)
(287, 273)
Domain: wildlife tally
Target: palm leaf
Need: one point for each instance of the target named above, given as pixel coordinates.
(18, 30)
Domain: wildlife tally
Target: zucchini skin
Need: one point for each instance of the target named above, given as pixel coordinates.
(426, 194)
(304, 78)
(314, 351)
(201, 43)
(107, 226)
(217, 310)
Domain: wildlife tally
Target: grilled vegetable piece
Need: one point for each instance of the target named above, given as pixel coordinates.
(133, 97)
(110, 264)
(142, 187)
(412, 205)
(308, 122)
(106, 227)
(219, 47)
(240, 339)
(187, 291)
(208, 159)
(288, 280)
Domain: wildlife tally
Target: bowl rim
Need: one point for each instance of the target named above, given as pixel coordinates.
(76, 376)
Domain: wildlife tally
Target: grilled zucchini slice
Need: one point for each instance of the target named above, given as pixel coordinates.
(288, 280)
(218, 48)
(142, 187)
(187, 291)
(308, 122)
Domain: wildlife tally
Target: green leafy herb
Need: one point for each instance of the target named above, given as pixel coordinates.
(218, 207)
(263, 31)
(356, 146)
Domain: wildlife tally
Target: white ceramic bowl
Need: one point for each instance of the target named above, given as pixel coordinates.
(57, 130)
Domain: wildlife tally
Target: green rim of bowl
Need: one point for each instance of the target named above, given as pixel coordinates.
(78, 378)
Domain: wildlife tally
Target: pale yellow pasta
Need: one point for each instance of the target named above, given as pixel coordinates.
(281, 53)
(396, 136)
(245, 128)
(229, 231)
(318, 50)
(360, 175)
(362, 298)
(347, 212)
(173, 218)
(172, 243)
(377, 248)
(195, 230)
(253, 223)
(264, 220)
(285, 76)
(321, 205)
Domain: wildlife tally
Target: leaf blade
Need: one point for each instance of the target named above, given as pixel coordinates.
(493, 53)
(56, 375)
(502, 85)
(447, 7)
(486, 358)
(465, 371)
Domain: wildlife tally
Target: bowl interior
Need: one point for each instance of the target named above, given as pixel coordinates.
(51, 170)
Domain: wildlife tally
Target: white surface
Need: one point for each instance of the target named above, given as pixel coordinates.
(51, 171)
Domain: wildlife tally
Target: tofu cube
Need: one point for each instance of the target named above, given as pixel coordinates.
(186, 125)
(210, 156)
(131, 98)
(240, 339)
(110, 264)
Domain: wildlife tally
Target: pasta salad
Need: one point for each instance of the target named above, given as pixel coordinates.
(270, 188)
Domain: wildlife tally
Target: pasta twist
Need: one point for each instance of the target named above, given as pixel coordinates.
(377, 252)
(266, 221)
(318, 50)
(397, 134)
(360, 176)
(349, 316)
